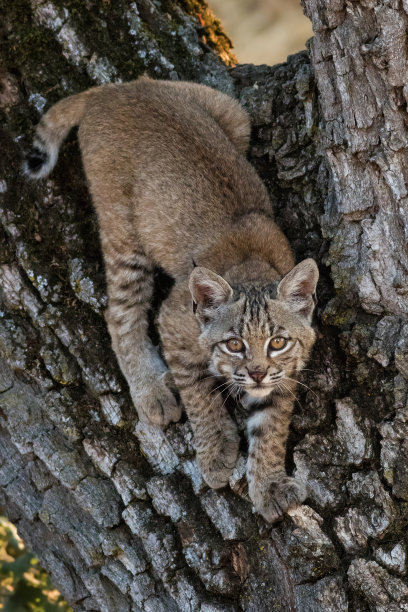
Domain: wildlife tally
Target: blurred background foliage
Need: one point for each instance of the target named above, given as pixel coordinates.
(24, 585)
(263, 31)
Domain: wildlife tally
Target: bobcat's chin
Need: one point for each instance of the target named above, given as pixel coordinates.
(258, 391)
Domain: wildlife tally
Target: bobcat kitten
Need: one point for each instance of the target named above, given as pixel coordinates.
(171, 186)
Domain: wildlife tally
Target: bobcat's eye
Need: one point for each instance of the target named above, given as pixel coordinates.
(235, 345)
(278, 343)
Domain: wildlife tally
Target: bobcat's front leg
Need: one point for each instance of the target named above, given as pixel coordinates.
(272, 492)
(130, 283)
(215, 433)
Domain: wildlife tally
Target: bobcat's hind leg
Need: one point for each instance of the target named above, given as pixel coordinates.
(130, 285)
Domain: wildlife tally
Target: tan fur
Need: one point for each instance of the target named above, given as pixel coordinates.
(171, 187)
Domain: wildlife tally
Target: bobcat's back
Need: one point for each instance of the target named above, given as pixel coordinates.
(165, 165)
(170, 156)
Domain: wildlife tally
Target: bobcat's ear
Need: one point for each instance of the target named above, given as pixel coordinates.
(208, 290)
(298, 288)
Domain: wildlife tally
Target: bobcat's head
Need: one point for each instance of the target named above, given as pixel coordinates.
(257, 336)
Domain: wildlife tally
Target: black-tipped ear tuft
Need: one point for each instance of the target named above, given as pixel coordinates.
(35, 159)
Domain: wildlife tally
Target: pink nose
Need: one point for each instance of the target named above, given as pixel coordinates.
(257, 376)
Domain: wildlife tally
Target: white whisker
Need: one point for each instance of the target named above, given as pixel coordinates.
(309, 370)
(303, 385)
(229, 394)
(291, 393)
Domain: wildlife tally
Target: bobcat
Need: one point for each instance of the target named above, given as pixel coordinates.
(171, 186)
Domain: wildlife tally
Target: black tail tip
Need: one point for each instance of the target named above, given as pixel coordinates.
(35, 160)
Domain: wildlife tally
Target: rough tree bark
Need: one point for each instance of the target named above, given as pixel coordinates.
(116, 510)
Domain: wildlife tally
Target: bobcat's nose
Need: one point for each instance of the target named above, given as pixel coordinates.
(257, 375)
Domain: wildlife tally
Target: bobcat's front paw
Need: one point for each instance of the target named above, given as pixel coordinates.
(217, 466)
(155, 403)
(278, 497)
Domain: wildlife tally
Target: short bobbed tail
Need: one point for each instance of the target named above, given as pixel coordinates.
(50, 133)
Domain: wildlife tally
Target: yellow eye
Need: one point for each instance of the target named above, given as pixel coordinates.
(278, 343)
(235, 345)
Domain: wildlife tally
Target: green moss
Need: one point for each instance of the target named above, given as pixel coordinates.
(104, 31)
(389, 475)
(339, 318)
(77, 286)
(34, 54)
(104, 26)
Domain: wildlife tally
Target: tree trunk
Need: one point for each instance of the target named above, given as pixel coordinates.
(117, 510)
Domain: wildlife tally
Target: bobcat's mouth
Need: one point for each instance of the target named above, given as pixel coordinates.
(258, 389)
(263, 387)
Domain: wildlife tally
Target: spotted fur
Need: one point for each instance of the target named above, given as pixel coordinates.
(172, 188)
